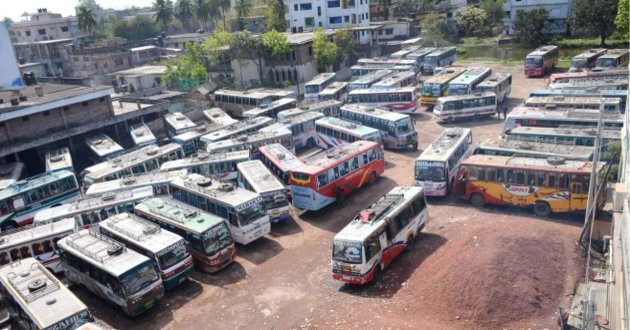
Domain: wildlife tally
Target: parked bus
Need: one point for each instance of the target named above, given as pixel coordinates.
(177, 123)
(331, 175)
(89, 211)
(477, 105)
(436, 166)
(143, 160)
(243, 209)
(403, 52)
(437, 86)
(420, 55)
(622, 94)
(251, 142)
(498, 83)
(216, 116)
(191, 141)
(541, 60)
(36, 240)
(280, 160)
(602, 84)
(337, 90)
(10, 173)
(317, 85)
(549, 185)
(141, 134)
(159, 181)
(574, 102)
(397, 129)
(254, 176)
(207, 236)
(518, 148)
(468, 81)
(111, 271)
(333, 132)
(271, 110)
(380, 62)
(166, 250)
(402, 100)
(58, 159)
(368, 80)
(592, 75)
(554, 118)
(378, 234)
(235, 102)
(614, 58)
(329, 108)
(103, 147)
(20, 201)
(361, 70)
(441, 57)
(301, 126)
(587, 60)
(573, 135)
(396, 80)
(220, 165)
(241, 127)
(38, 300)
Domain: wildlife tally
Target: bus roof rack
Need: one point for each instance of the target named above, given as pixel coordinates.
(33, 283)
(112, 247)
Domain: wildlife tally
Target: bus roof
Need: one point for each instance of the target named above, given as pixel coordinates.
(141, 134)
(346, 126)
(542, 50)
(236, 128)
(394, 78)
(379, 212)
(403, 52)
(10, 173)
(178, 121)
(581, 100)
(225, 192)
(202, 158)
(53, 301)
(334, 87)
(322, 77)
(567, 151)
(134, 181)
(384, 91)
(420, 53)
(179, 214)
(591, 132)
(35, 232)
(375, 112)
(145, 234)
(280, 155)
(440, 51)
(470, 75)
(56, 160)
(254, 94)
(444, 145)
(259, 176)
(615, 53)
(568, 115)
(372, 77)
(322, 160)
(465, 96)
(320, 105)
(263, 108)
(549, 164)
(39, 180)
(579, 92)
(611, 83)
(494, 79)
(102, 145)
(297, 119)
(590, 53)
(216, 115)
(387, 61)
(445, 76)
(249, 137)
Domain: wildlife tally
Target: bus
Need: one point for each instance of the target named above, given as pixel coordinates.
(389, 63)
(141, 134)
(541, 60)
(143, 160)
(328, 108)
(235, 102)
(477, 105)
(89, 211)
(378, 234)
(251, 141)
(554, 118)
(271, 109)
(207, 236)
(361, 70)
(103, 147)
(280, 160)
(177, 123)
(166, 249)
(191, 141)
(317, 85)
(20, 201)
(437, 86)
(337, 90)
(241, 127)
(441, 57)
(397, 129)
(38, 300)
(419, 55)
(402, 100)
(436, 167)
(551, 185)
(519, 148)
(572, 135)
(602, 84)
(396, 80)
(243, 209)
(574, 102)
(301, 126)
(467, 81)
(216, 116)
(403, 52)
(331, 175)
(593, 75)
(333, 132)
(498, 83)
(614, 58)
(586, 60)
(622, 94)
(111, 271)
(159, 181)
(37, 240)
(58, 159)
(220, 165)
(254, 176)
(10, 173)
(368, 80)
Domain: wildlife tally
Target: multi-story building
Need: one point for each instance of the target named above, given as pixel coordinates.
(559, 12)
(43, 26)
(97, 60)
(49, 53)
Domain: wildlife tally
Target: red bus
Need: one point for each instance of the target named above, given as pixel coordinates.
(332, 175)
(597, 75)
(541, 60)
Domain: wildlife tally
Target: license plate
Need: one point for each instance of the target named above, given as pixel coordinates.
(347, 277)
(149, 303)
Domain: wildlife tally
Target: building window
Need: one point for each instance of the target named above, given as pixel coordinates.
(25, 118)
(335, 20)
(119, 61)
(333, 4)
(41, 32)
(309, 22)
(320, 24)
(295, 7)
(293, 56)
(380, 32)
(346, 19)
(85, 103)
(46, 113)
(64, 29)
(389, 32)
(101, 99)
(66, 108)
(306, 6)
(28, 33)
(319, 11)
(367, 15)
(1, 124)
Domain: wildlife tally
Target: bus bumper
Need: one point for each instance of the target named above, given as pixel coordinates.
(220, 262)
(155, 295)
(180, 275)
(534, 72)
(282, 217)
(352, 278)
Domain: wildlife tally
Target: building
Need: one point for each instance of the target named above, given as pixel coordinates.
(559, 12)
(138, 79)
(50, 53)
(97, 60)
(144, 54)
(42, 26)
(179, 41)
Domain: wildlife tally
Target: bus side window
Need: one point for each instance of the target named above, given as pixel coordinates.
(552, 180)
(402, 219)
(491, 175)
(541, 179)
(233, 219)
(38, 248)
(355, 163)
(336, 171)
(322, 180)
(562, 181)
(481, 175)
(510, 176)
(472, 173)
(372, 247)
(365, 159)
(25, 251)
(531, 178)
(4, 258)
(520, 177)
(392, 229)
(500, 175)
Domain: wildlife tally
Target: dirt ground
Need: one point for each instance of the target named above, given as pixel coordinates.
(490, 268)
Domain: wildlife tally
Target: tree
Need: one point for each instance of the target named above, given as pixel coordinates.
(529, 25)
(188, 69)
(163, 12)
(275, 44)
(203, 11)
(410, 7)
(86, 17)
(184, 13)
(274, 16)
(437, 29)
(139, 28)
(242, 10)
(344, 40)
(324, 51)
(244, 46)
(471, 21)
(224, 6)
(621, 21)
(494, 10)
(596, 18)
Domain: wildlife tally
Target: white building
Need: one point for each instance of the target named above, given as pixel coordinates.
(43, 25)
(559, 12)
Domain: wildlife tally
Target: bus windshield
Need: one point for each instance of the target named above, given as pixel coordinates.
(579, 63)
(346, 251)
(404, 126)
(176, 253)
(534, 62)
(273, 201)
(217, 238)
(457, 89)
(251, 214)
(138, 278)
(433, 172)
(311, 89)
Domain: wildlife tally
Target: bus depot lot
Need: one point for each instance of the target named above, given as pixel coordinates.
(489, 268)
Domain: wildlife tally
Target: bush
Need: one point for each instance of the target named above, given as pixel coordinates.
(590, 43)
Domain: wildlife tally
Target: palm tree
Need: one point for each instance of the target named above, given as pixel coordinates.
(163, 12)
(242, 10)
(202, 12)
(224, 5)
(184, 12)
(87, 18)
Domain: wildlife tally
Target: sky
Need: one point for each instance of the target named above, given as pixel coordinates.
(15, 9)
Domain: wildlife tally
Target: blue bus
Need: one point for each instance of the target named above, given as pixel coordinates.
(467, 81)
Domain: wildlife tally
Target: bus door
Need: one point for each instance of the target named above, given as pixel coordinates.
(577, 198)
(388, 254)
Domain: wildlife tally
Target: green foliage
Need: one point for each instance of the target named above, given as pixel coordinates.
(409, 7)
(217, 45)
(163, 12)
(437, 30)
(529, 26)
(274, 16)
(86, 17)
(596, 18)
(184, 12)
(613, 149)
(324, 51)
(589, 43)
(242, 10)
(203, 11)
(621, 21)
(187, 67)
(224, 6)
(471, 21)
(494, 10)
(343, 38)
(275, 44)
(139, 28)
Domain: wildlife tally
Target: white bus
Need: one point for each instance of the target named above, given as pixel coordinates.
(389, 63)
(338, 90)
(468, 81)
(368, 80)
(317, 85)
(518, 148)
(59, 159)
(235, 102)
(220, 165)
(378, 234)
(146, 159)
(420, 55)
(587, 60)
(159, 181)
(10, 173)
(436, 167)
(499, 83)
(218, 117)
(166, 249)
(441, 57)
(361, 70)
(241, 127)
(328, 108)
(38, 241)
(396, 80)
(271, 110)
(553, 118)
(477, 105)
(333, 132)
(111, 271)
(252, 141)
(404, 51)
(614, 58)
(574, 102)
(39, 300)
(177, 123)
(254, 176)
(141, 134)
(280, 161)
(603, 84)
(191, 141)
(243, 209)
(403, 100)
(397, 129)
(103, 147)
(301, 126)
(572, 135)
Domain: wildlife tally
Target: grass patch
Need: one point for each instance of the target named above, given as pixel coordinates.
(589, 43)
(475, 41)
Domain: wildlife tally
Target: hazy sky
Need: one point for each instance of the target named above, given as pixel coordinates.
(14, 9)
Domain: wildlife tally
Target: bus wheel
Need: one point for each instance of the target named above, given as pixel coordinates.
(477, 200)
(542, 209)
(372, 178)
(377, 274)
(340, 197)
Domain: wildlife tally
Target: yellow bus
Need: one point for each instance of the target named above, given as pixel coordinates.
(437, 86)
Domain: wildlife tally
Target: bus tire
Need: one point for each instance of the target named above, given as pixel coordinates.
(372, 178)
(377, 274)
(476, 199)
(9, 225)
(542, 209)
